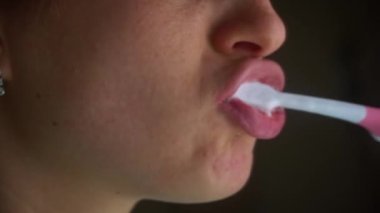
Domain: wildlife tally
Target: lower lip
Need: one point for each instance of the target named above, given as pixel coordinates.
(253, 121)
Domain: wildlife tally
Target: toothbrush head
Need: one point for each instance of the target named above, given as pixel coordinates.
(259, 95)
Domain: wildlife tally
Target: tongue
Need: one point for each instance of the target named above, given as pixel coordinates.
(255, 122)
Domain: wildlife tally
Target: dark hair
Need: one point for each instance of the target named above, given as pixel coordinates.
(23, 7)
(9, 3)
(18, 4)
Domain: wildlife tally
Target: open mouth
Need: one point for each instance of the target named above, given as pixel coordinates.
(255, 122)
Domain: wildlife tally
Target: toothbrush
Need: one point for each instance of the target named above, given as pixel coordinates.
(267, 99)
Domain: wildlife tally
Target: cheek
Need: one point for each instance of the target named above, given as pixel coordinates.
(149, 153)
(141, 125)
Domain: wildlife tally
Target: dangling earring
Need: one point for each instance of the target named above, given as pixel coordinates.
(2, 90)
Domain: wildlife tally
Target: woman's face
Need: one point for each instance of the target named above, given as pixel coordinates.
(123, 91)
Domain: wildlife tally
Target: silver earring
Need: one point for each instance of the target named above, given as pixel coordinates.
(2, 90)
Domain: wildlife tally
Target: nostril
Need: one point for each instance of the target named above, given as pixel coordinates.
(247, 47)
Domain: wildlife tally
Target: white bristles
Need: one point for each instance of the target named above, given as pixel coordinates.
(259, 95)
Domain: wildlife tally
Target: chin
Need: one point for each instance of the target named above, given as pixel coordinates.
(230, 173)
(216, 185)
(214, 174)
(230, 182)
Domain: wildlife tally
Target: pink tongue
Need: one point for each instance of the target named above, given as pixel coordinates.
(257, 123)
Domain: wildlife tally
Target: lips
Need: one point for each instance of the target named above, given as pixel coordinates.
(253, 121)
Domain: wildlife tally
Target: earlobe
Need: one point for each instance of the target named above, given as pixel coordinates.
(2, 89)
(4, 71)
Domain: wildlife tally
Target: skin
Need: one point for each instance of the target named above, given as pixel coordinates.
(113, 101)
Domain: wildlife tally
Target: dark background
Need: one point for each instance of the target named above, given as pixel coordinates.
(317, 164)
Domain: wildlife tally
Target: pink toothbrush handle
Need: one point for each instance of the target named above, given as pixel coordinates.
(372, 121)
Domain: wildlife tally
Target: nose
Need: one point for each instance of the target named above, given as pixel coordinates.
(251, 28)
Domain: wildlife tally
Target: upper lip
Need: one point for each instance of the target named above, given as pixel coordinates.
(251, 70)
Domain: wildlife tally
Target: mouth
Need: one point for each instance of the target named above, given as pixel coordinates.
(255, 122)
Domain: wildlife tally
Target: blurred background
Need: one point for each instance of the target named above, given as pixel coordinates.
(317, 164)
